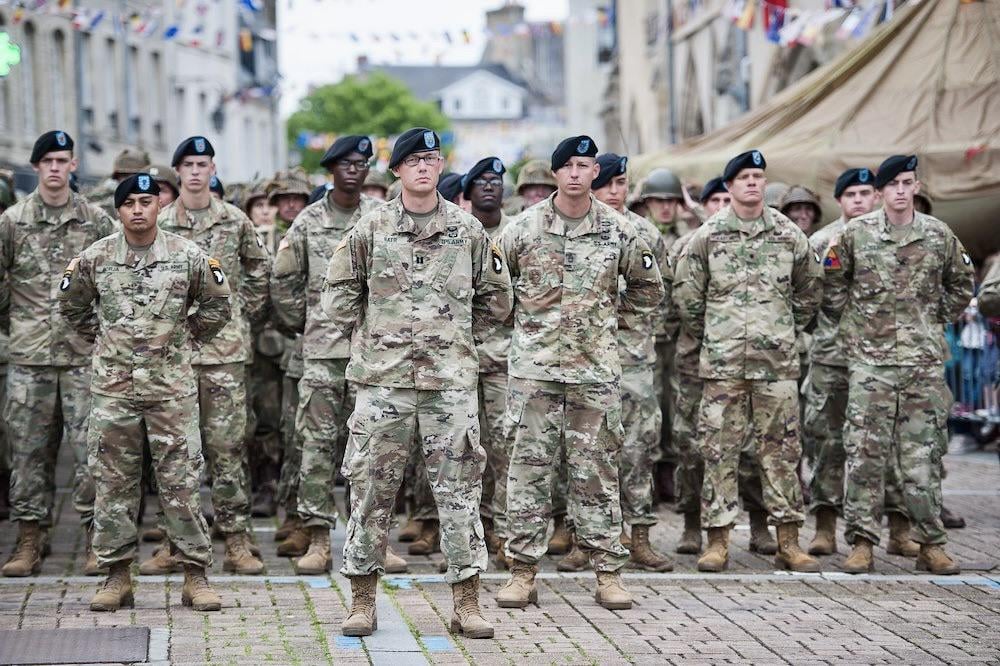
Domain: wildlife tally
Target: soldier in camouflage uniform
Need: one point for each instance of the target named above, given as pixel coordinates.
(988, 298)
(894, 278)
(535, 183)
(223, 231)
(132, 292)
(745, 285)
(417, 282)
(566, 255)
(825, 396)
(166, 178)
(296, 284)
(641, 416)
(129, 161)
(376, 185)
(482, 185)
(48, 383)
(7, 199)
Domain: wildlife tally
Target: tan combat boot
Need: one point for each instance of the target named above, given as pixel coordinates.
(116, 592)
(611, 592)
(429, 540)
(860, 560)
(642, 554)
(411, 530)
(239, 559)
(153, 534)
(394, 564)
(790, 555)
(317, 559)
(690, 543)
(575, 560)
(716, 556)
(934, 559)
(197, 593)
(296, 544)
(26, 559)
(468, 619)
(291, 523)
(90, 566)
(825, 541)
(520, 590)
(900, 542)
(362, 620)
(560, 542)
(161, 563)
(761, 540)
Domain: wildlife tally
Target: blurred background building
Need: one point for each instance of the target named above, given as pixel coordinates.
(143, 73)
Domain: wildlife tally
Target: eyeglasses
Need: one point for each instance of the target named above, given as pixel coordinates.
(487, 182)
(359, 165)
(429, 160)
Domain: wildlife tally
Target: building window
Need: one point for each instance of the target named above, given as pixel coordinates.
(59, 79)
(86, 87)
(28, 67)
(456, 104)
(156, 98)
(134, 113)
(111, 91)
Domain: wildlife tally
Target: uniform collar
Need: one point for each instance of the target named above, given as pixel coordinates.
(35, 208)
(595, 220)
(217, 212)
(915, 231)
(157, 252)
(728, 221)
(405, 225)
(330, 218)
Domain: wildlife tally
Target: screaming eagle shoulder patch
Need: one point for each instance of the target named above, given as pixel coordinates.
(497, 258)
(647, 260)
(216, 268)
(67, 277)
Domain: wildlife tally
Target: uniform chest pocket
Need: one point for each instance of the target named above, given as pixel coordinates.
(601, 270)
(536, 274)
(725, 267)
(388, 262)
(870, 273)
(775, 260)
(171, 301)
(455, 273)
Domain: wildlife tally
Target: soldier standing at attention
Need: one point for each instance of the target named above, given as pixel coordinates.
(566, 255)
(48, 382)
(894, 278)
(132, 292)
(482, 185)
(296, 285)
(746, 285)
(641, 416)
(417, 283)
(825, 395)
(225, 233)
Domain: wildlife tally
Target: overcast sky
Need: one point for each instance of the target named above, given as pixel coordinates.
(320, 40)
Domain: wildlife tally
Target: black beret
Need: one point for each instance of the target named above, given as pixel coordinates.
(50, 142)
(892, 167)
(579, 146)
(711, 187)
(319, 192)
(346, 145)
(492, 164)
(195, 145)
(852, 177)
(612, 164)
(450, 185)
(416, 140)
(137, 183)
(752, 159)
(215, 185)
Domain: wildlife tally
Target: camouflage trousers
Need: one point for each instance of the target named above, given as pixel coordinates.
(384, 423)
(766, 412)
(47, 406)
(288, 484)
(584, 419)
(117, 429)
(665, 348)
(4, 441)
(263, 430)
(222, 409)
(689, 477)
(641, 419)
(324, 407)
(896, 426)
(418, 487)
(492, 403)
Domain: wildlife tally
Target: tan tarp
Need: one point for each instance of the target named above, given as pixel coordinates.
(927, 82)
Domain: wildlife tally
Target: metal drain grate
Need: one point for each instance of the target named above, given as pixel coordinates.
(74, 646)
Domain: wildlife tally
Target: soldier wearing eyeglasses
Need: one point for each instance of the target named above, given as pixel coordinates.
(418, 284)
(296, 283)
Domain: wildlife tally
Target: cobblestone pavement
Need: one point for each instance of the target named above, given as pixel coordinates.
(750, 614)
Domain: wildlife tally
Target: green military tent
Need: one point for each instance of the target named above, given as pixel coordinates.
(927, 82)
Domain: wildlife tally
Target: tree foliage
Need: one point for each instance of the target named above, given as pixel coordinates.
(376, 105)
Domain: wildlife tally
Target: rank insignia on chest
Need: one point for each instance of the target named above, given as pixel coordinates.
(216, 268)
(832, 261)
(647, 260)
